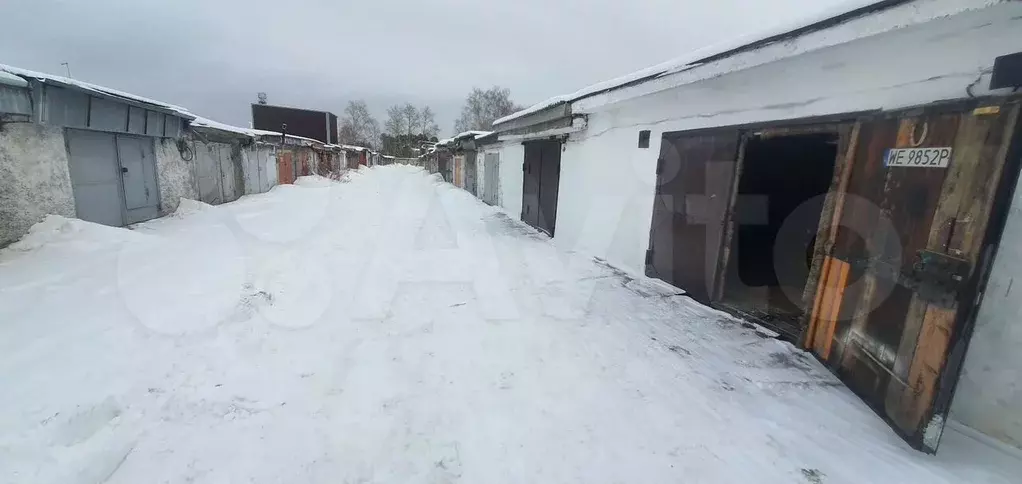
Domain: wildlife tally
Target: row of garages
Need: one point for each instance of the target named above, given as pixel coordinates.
(829, 182)
(81, 150)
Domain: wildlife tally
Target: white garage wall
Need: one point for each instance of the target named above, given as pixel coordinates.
(607, 182)
(512, 155)
(989, 393)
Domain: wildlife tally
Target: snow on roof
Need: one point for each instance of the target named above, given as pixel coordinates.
(294, 137)
(9, 79)
(200, 122)
(470, 134)
(354, 148)
(443, 142)
(85, 86)
(697, 57)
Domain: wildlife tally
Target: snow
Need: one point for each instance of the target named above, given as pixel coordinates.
(393, 329)
(201, 122)
(188, 206)
(94, 88)
(8, 79)
(692, 59)
(471, 134)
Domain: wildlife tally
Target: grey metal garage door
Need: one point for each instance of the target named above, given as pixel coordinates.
(113, 177)
(95, 177)
(138, 173)
(491, 178)
(471, 173)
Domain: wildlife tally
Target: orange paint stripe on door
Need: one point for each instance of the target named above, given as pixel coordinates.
(814, 319)
(840, 270)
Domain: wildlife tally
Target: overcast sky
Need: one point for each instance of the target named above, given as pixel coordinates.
(213, 56)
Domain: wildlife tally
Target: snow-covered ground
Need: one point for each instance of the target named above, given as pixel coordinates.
(393, 329)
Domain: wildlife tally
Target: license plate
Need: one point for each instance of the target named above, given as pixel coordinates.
(918, 157)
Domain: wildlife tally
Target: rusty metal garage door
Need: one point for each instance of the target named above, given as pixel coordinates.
(912, 250)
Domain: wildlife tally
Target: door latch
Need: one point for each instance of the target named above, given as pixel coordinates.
(938, 278)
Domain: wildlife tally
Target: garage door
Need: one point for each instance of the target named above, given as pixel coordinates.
(95, 177)
(694, 177)
(541, 179)
(113, 177)
(138, 174)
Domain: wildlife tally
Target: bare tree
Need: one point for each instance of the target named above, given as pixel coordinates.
(358, 127)
(396, 124)
(413, 122)
(375, 136)
(429, 126)
(483, 107)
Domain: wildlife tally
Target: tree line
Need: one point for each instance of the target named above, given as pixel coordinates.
(408, 128)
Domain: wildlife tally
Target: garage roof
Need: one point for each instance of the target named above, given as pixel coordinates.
(840, 13)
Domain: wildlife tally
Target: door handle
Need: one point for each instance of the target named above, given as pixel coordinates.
(124, 170)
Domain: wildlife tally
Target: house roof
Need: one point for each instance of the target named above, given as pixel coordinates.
(839, 13)
(85, 86)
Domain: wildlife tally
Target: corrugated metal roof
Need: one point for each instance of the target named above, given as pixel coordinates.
(85, 86)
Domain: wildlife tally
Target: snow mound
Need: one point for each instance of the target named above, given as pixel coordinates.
(189, 206)
(313, 181)
(56, 229)
(436, 178)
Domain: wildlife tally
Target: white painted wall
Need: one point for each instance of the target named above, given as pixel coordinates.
(989, 393)
(607, 182)
(35, 178)
(512, 156)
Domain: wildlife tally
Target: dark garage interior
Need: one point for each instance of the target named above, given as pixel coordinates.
(767, 269)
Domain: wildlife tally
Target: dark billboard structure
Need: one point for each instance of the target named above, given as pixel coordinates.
(318, 125)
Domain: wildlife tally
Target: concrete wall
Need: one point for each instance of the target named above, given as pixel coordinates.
(35, 178)
(607, 183)
(989, 393)
(231, 176)
(175, 175)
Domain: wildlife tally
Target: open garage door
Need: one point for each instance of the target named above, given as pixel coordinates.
(695, 174)
(915, 236)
